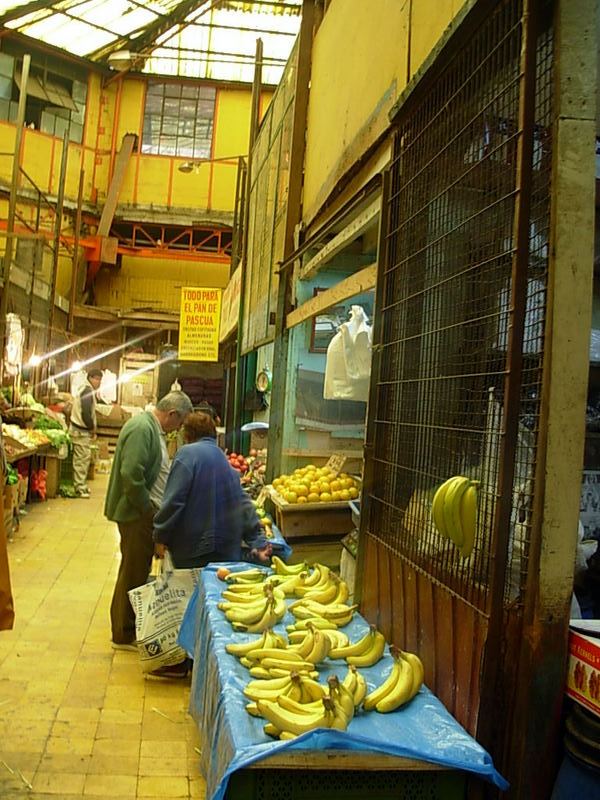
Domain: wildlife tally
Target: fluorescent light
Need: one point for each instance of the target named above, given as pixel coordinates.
(34, 361)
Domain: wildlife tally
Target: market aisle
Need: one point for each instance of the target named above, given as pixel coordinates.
(77, 718)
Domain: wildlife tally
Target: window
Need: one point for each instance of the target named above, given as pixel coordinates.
(178, 120)
(55, 104)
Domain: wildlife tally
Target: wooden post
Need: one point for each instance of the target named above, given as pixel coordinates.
(60, 199)
(542, 665)
(75, 265)
(279, 393)
(254, 123)
(12, 202)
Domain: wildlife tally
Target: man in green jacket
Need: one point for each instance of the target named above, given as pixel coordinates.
(135, 488)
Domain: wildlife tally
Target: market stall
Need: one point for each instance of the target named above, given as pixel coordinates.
(421, 738)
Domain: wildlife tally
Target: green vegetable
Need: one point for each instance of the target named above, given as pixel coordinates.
(45, 423)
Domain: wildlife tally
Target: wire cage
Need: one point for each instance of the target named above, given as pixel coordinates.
(459, 336)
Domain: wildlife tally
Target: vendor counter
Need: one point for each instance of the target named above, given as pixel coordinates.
(419, 746)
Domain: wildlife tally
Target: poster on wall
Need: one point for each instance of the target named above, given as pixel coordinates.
(199, 323)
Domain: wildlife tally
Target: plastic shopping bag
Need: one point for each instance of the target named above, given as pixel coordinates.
(159, 607)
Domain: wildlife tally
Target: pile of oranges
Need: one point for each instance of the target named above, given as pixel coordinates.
(316, 485)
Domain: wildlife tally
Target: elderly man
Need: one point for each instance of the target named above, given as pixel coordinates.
(83, 430)
(135, 489)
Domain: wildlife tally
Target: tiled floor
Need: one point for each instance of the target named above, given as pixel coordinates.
(77, 719)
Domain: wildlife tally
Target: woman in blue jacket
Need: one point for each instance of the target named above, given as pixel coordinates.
(205, 514)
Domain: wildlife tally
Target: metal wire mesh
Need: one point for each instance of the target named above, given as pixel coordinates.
(445, 305)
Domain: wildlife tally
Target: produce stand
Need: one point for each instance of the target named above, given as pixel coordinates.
(419, 750)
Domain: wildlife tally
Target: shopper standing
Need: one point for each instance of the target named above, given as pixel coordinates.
(135, 489)
(83, 430)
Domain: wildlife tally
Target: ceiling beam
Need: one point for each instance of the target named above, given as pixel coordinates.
(28, 8)
(149, 33)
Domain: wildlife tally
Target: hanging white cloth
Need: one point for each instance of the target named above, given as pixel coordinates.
(348, 365)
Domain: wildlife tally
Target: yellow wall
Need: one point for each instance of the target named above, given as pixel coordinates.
(156, 282)
(360, 64)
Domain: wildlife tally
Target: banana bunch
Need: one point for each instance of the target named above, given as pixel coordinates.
(323, 586)
(454, 511)
(268, 639)
(296, 686)
(338, 613)
(297, 637)
(367, 651)
(401, 685)
(287, 716)
(281, 568)
(253, 575)
(257, 614)
(314, 647)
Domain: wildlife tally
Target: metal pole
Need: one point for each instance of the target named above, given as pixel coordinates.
(75, 266)
(57, 225)
(12, 203)
(254, 122)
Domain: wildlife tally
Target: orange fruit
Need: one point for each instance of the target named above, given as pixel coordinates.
(291, 497)
(353, 492)
(313, 497)
(335, 486)
(325, 497)
(344, 494)
(335, 495)
(302, 490)
(302, 500)
(324, 486)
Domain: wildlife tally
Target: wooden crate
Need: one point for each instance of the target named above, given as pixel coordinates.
(311, 519)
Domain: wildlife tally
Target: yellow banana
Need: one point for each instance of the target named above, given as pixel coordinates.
(320, 649)
(372, 655)
(245, 662)
(306, 645)
(286, 735)
(418, 671)
(331, 612)
(292, 666)
(251, 575)
(288, 586)
(266, 621)
(286, 702)
(452, 509)
(319, 577)
(259, 672)
(339, 694)
(281, 673)
(281, 568)
(337, 638)
(400, 693)
(312, 578)
(274, 684)
(468, 519)
(252, 709)
(381, 691)
(271, 730)
(358, 648)
(437, 507)
(243, 648)
(248, 616)
(297, 637)
(293, 722)
(360, 692)
(317, 622)
(343, 592)
(272, 652)
(351, 679)
(245, 589)
(324, 595)
(273, 639)
(312, 689)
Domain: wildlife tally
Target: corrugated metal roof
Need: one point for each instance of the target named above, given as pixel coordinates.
(187, 38)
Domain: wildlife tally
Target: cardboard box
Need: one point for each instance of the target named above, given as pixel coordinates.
(583, 677)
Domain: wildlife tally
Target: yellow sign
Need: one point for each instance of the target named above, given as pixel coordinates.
(199, 322)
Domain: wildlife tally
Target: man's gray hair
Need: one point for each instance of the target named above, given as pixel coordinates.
(175, 401)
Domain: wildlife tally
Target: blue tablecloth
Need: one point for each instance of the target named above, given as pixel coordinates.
(232, 739)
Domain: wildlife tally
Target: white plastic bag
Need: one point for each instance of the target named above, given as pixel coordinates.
(159, 607)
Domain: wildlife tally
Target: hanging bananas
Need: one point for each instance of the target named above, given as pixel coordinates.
(454, 512)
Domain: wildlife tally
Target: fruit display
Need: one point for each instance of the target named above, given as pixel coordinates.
(238, 462)
(265, 519)
(454, 512)
(284, 688)
(253, 479)
(312, 484)
(28, 437)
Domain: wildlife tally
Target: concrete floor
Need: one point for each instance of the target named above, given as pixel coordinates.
(78, 719)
